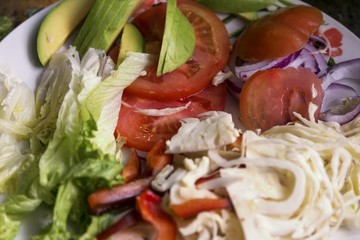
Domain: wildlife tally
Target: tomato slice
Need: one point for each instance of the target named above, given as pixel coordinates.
(210, 55)
(270, 97)
(278, 34)
(143, 131)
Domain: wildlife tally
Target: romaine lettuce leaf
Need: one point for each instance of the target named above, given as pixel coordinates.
(80, 153)
(13, 212)
(17, 114)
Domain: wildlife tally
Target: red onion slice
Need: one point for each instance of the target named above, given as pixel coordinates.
(309, 57)
(341, 86)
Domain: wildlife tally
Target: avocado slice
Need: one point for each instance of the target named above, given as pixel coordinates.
(131, 40)
(104, 23)
(249, 16)
(236, 6)
(58, 24)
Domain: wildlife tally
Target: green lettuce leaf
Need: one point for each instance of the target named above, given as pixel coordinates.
(17, 115)
(97, 225)
(80, 153)
(13, 212)
(67, 195)
(103, 104)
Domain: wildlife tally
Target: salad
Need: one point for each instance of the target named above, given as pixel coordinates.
(122, 141)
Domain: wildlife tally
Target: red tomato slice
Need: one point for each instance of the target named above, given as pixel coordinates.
(210, 55)
(270, 97)
(143, 131)
(278, 34)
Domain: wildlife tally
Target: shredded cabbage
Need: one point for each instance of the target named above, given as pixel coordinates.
(17, 115)
(298, 181)
(72, 147)
(211, 130)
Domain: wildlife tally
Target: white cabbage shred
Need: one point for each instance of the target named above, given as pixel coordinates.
(17, 114)
(210, 130)
(298, 181)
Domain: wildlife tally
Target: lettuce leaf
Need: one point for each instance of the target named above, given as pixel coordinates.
(17, 115)
(13, 212)
(79, 154)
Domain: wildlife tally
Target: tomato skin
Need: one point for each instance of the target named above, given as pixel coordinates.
(212, 49)
(270, 97)
(278, 34)
(142, 132)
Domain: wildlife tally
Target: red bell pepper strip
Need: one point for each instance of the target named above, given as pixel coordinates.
(132, 168)
(193, 207)
(236, 144)
(148, 204)
(106, 199)
(157, 159)
(128, 220)
(212, 176)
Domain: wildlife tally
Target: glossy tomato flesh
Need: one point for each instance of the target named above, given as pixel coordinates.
(270, 97)
(278, 34)
(142, 131)
(210, 55)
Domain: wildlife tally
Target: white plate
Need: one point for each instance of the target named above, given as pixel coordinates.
(18, 52)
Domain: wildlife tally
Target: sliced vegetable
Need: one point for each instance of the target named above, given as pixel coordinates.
(58, 25)
(142, 129)
(131, 41)
(148, 204)
(212, 47)
(130, 218)
(195, 206)
(17, 115)
(270, 97)
(236, 6)
(209, 130)
(80, 153)
(68, 194)
(132, 169)
(106, 199)
(249, 16)
(278, 34)
(309, 57)
(341, 92)
(103, 24)
(12, 213)
(178, 42)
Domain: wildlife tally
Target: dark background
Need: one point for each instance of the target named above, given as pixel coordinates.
(346, 12)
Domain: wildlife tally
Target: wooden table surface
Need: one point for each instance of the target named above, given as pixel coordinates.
(346, 12)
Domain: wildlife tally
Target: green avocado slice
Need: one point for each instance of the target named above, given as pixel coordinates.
(131, 40)
(104, 23)
(58, 24)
